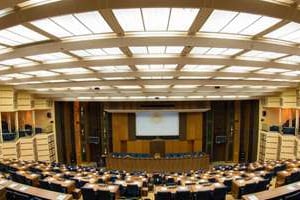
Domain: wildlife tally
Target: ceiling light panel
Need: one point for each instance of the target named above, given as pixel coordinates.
(185, 86)
(182, 18)
(17, 62)
(41, 73)
(156, 19)
(240, 69)
(32, 3)
(105, 69)
(157, 77)
(290, 59)
(19, 35)
(130, 19)
(156, 86)
(128, 87)
(289, 32)
(17, 76)
(118, 78)
(76, 70)
(263, 54)
(272, 71)
(97, 52)
(221, 21)
(87, 23)
(201, 68)
(156, 67)
(292, 73)
(215, 51)
(194, 77)
(49, 57)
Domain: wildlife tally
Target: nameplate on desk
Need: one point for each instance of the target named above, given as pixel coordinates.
(61, 197)
(3, 182)
(252, 197)
(23, 188)
(13, 185)
(291, 188)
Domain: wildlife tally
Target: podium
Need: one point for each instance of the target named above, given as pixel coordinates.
(157, 146)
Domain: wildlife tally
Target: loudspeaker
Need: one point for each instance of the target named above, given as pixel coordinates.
(49, 114)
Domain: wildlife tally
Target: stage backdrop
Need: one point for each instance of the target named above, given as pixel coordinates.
(125, 138)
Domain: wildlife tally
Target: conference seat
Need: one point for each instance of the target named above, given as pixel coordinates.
(103, 195)
(202, 195)
(88, 194)
(44, 185)
(163, 196)
(219, 193)
(262, 185)
(295, 196)
(182, 195)
(132, 190)
(57, 188)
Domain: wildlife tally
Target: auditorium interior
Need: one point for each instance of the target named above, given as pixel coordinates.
(149, 99)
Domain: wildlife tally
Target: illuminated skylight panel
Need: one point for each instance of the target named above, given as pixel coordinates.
(182, 18)
(139, 50)
(237, 23)
(218, 20)
(156, 19)
(194, 77)
(104, 69)
(263, 54)
(85, 79)
(201, 68)
(50, 57)
(290, 59)
(74, 25)
(156, 86)
(288, 32)
(17, 76)
(272, 71)
(156, 49)
(240, 69)
(97, 52)
(41, 73)
(69, 71)
(125, 87)
(228, 78)
(215, 51)
(156, 67)
(118, 78)
(174, 49)
(16, 62)
(94, 22)
(112, 51)
(6, 11)
(51, 27)
(129, 19)
(18, 35)
(185, 86)
(157, 77)
(291, 73)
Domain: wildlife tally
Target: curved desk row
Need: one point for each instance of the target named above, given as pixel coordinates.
(283, 192)
(158, 165)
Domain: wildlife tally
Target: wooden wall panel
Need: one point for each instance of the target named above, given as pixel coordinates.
(194, 127)
(236, 133)
(197, 146)
(138, 146)
(176, 146)
(119, 130)
(77, 132)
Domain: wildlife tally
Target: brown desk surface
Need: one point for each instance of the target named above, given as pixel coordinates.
(110, 188)
(191, 188)
(70, 185)
(25, 189)
(273, 193)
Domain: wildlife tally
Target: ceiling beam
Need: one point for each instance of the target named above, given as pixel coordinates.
(75, 6)
(158, 73)
(167, 59)
(156, 82)
(165, 39)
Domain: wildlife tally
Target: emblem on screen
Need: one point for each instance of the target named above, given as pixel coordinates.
(156, 117)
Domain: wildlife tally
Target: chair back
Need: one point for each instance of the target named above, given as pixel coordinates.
(163, 196)
(88, 194)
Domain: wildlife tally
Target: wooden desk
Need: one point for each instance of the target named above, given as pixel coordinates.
(237, 185)
(68, 184)
(113, 189)
(274, 193)
(191, 188)
(158, 165)
(33, 191)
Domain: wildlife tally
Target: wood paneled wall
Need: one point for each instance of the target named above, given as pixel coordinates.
(123, 143)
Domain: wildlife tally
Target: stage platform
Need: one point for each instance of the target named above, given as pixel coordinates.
(158, 164)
